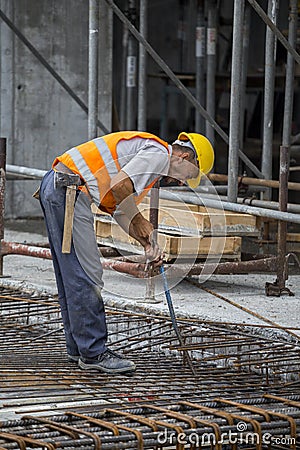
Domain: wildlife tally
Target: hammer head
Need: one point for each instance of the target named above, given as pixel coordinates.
(62, 179)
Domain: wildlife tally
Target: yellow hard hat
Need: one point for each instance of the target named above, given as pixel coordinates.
(205, 154)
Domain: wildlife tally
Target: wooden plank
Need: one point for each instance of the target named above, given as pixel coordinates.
(188, 221)
(205, 223)
(164, 203)
(293, 237)
(110, 233)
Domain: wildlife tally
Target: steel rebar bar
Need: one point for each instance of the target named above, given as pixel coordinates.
(153, 218)
(282, 226)
(254, 181)
(2, 195)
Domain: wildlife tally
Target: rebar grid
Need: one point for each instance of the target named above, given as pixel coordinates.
(236, 371)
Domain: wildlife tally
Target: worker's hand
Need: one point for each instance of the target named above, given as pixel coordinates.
(154, 255)
(141, 229)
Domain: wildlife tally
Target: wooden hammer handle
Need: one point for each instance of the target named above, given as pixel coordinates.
(69, 216)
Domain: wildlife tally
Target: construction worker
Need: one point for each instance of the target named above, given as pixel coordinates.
(115, 172)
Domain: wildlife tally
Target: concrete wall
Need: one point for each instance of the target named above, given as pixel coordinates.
(38, 117)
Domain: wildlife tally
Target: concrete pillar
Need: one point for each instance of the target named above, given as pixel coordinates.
(7, 93)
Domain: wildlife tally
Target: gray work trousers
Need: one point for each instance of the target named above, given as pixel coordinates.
(78, 274)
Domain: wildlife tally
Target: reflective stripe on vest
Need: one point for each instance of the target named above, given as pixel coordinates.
(96, 165)
(97, 162)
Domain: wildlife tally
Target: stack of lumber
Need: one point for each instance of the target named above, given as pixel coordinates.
(185, 230)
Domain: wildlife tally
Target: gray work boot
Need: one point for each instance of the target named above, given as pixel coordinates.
(109, 362)
(73, 358)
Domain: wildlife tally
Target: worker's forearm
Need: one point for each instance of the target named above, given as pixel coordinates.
(128, 207)
(133, 218)
(134, 223)
(134, 228)
(122, 189)
(123, 221)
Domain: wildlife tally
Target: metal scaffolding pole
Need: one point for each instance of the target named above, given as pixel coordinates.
(275, 30)
(209, 202)
(235, 103)
(279, 286)
(211, 67)
(124, 77)
(142, 91)
(200, 61)
(153, 218)
(245, 55)
(24, 173)
(179, 84)
(263, 204)
(28, 173)
(93, 68)
(105, 67)
(282, 226)
(289, 81)
(131, 72)
(270, 61)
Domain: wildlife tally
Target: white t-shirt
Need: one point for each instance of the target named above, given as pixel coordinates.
(143, 160)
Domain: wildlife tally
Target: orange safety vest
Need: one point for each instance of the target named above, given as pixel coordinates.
(97, 162)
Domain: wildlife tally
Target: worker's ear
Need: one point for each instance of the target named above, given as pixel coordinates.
(179, 158)
(185, 155)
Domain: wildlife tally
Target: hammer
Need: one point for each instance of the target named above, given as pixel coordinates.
(70, 181)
